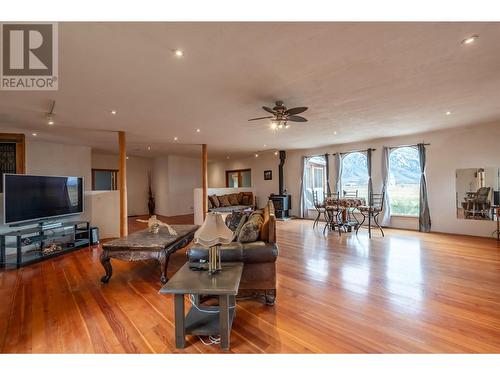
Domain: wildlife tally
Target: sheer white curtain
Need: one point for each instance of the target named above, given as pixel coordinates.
(386, 215)
(302, 206)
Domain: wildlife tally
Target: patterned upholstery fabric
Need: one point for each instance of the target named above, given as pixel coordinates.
(210, 205)
(215, 200)
(224, 201)
(233, 219)
(369, 209)
(346, 202)
(250, 231)
(233, 199)
(247, 198)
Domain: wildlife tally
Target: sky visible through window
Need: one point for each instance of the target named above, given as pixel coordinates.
(404, 181)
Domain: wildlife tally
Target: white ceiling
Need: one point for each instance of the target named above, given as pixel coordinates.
(361, 80)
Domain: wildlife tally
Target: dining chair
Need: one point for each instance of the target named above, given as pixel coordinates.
(320, 208)
(350, 194)
(371, 211)
(333, 210)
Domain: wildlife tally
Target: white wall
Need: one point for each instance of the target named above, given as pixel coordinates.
(263, 188)
(45, 158)
(452, 149)
(174, 178)
(470, 147)
(137, 179)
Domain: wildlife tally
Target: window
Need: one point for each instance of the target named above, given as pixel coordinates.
(315, 179)
(104, 179)
(404, 181)
(355, 174)
(11, 155)
(239, 178)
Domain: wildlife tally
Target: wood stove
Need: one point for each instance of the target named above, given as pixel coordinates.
(282, 201)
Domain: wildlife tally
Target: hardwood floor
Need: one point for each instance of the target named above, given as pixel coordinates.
(407, 292)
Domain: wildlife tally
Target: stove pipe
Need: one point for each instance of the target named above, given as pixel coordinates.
(282, 163)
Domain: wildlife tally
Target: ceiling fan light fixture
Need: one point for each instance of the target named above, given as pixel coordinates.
(50, 121)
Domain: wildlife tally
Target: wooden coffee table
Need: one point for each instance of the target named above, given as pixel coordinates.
(210, 320)
(143, 245)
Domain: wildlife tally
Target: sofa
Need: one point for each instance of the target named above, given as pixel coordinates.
(258, 256)
(243, 201)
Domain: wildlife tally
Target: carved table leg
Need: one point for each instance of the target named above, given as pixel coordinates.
(163, 259)
(270, 295)
(106, 263)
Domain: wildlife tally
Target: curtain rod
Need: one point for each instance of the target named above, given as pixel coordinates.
(350, 152)
(415, 145)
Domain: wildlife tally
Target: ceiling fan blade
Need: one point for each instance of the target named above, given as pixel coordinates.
(268, 110)
(295, 111)
(260, 118)
(296, 119)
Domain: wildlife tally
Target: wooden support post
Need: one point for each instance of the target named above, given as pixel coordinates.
(123, 184)
(204, 178)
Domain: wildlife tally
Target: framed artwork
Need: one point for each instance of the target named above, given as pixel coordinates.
(268, 175)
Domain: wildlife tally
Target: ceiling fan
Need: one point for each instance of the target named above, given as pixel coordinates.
(281, 115)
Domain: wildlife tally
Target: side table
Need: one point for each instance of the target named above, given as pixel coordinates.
(203, 322)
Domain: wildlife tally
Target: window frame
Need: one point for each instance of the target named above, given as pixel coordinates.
(114, 178)
(405, 216)
(310, 182)
(240, 179)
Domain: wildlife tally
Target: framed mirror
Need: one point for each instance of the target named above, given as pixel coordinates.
(477, 193)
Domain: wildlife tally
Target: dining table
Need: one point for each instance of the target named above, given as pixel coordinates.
(346, 205)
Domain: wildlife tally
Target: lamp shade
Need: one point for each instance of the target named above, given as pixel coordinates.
(213, 231)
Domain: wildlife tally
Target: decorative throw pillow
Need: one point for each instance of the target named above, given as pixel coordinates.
(240, 197)
(224, 201)
(233, 219)
(233, 199)
(215, 200)
(210, 205)
(251, 229)
(237, 231)
(247, 199)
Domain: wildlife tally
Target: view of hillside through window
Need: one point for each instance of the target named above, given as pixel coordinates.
(404, 181)
(355, 174)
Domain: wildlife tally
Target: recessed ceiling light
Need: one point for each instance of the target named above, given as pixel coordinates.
(256, 155)
(34, 134)
(471, 39)
(113, 112)
(265, 145)
(176, 139)
(448, 113)
(178, 53)
(198, 130)
(335, 132)
(149, 147)
(127, 157)
(275, 152)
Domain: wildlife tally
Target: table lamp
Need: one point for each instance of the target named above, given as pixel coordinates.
(212, 234)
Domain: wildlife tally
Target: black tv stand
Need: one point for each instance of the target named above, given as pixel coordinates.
(33, 244)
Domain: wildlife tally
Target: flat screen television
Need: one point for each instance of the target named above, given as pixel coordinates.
(34, 198)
